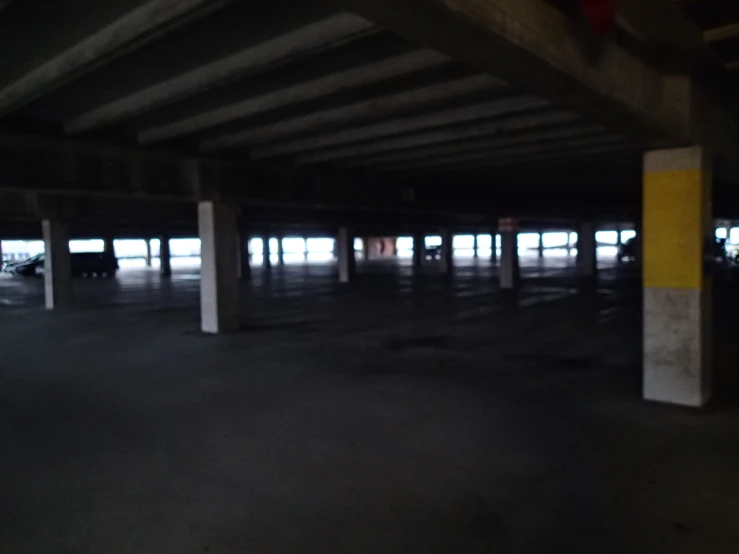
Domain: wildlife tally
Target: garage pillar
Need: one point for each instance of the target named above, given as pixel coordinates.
(475, 253)
(677, 291)
(509, 269)
(280, 250)
(165, 262)
(494, 247)
(365, 248)
(541, 244)
(244, 257)
(266, 252)
(219, 283)
(109, 245)
(447, 252)
(419, 251)
(148, 252)
(1, 254)
(345, 254)
(587, 251)
(57, 264)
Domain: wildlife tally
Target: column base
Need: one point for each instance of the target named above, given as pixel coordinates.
(676, 356)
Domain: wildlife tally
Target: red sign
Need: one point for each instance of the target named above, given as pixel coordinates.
(601, 14)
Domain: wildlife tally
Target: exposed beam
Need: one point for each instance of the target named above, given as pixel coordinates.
(500, 126)
(385, 106)
(131, 31)
(533, 44)
(403, 125)
(323, 86)
(543, 146)
(565, 157)
(378, 160)
(722, 33)
(324, 34)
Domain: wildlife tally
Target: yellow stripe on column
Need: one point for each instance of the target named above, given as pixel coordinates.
(675, 204)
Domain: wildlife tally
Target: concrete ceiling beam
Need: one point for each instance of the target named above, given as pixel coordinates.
(548, 53)
(316, 37)
(552, 144)
(375, 108)
(377, 161)
(367, 74)
(133, 30)
(498, 126)
(438, 118)
(557, 156)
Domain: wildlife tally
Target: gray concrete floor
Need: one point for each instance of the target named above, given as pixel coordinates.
(396, 415)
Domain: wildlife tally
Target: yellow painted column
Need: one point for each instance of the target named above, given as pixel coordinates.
(677, 292)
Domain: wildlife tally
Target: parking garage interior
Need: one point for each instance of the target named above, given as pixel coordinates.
(392, 276)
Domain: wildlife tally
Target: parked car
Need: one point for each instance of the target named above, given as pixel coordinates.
(83, 264)
(433, 252)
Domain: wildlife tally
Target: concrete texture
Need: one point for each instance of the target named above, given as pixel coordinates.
(401, 414)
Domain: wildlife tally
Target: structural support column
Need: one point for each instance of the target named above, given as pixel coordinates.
(165, 262)
(1, 254)
(494, 247)
(475, 253)
(366, 248)
(587, 250)
(541, 244)
(57, 264)
(109, 245)
(345, 254)
(219, 283)
(280, 250)
(509, 270)
(266, 252)
(305, 241)
(447, 252)
(419, 251)
(148, 253)
(677, 228)
(244, 258)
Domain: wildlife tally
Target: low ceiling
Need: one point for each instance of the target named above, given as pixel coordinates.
(304, 86)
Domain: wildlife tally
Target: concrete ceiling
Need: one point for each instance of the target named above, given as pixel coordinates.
(279, 83)
(313, 87)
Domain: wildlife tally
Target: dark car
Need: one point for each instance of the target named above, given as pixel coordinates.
(433, 252)
(629, 250)
(83, 264)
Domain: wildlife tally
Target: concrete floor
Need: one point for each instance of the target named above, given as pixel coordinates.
(397, 415)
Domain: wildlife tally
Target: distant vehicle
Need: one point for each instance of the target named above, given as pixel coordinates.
(717, 252)
(433, 252)
(629, 250)
(83, 264)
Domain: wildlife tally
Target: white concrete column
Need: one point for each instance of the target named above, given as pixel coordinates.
(219, 283)
(677, 227)
(57, 264)
(419, 250)
(447, 252)
(148, 252)
(509, 271)
(494, 242)
(474, 246)
(345, 254)
(305, 240)
(587, 251)
(165, 262)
